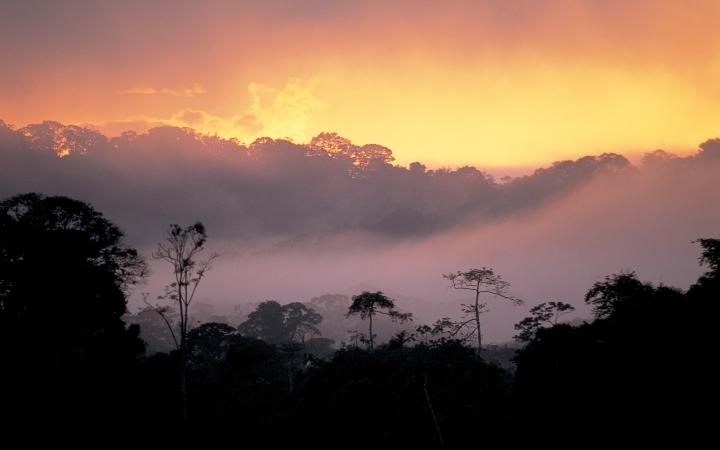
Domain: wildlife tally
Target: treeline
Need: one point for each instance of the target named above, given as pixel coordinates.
(72, 367)
(327, 186)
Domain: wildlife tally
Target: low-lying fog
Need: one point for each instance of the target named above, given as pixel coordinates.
(297, 221)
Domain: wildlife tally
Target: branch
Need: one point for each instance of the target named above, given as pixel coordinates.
(516, 301)
(161, 312)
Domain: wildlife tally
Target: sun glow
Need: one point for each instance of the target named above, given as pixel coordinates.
(452, 83)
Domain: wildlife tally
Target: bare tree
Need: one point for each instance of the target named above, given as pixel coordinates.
(478, 281)
(181, 249)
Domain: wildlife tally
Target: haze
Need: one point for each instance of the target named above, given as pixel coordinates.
(295, 221)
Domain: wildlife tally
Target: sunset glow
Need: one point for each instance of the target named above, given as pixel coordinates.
(358, 223)
(490, 83)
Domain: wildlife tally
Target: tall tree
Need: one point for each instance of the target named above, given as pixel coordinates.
(478, 281)
(181, 249)
(369, 304)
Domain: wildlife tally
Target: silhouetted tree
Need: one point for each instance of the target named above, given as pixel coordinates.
(425, 332)
(208, 343)
(368, 304)
(710, 253)
(706, 290)
(280, 324)
(618, 294)
(181, 249)
(64, 276)
(478, 281)
(546, 313)
(265, 323)
(300, 322)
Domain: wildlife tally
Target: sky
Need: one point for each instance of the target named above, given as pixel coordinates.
(490, 83)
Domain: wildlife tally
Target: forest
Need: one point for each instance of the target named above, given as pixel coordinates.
(76, 363)
(359, 224)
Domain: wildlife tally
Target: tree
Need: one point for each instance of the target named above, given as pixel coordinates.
(283, 325)
(546, 313)
(618, 294)
(265, 323)
(208, 343)
(181, 249)
(368, 304)
(707, 287)
(300, 322)
(64, 270)
(279, 324)
(710, 255)
(65, 273)
(478, 281)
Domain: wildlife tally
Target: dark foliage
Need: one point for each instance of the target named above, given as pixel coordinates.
(66, 353)
(622, 371)
(71, 366)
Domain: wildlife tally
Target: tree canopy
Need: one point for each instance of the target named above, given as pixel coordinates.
(369, 304)
(276, 323)
(65, 272)
(544, 314)
(64, 275)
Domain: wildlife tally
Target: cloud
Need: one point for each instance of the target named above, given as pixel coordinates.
(285, 111)
(195, 89)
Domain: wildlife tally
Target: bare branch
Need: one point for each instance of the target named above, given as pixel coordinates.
(161, 311)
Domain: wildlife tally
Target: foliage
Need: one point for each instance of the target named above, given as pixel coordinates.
(181, 249)
(710, 253)
(64, 273)
(617, 294)
(643, 364)
(65, 351)
(368, 304)
(277, 324)
(544, 314)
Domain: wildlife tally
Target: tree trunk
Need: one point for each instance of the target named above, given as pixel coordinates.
(477, 322)
(371, 333)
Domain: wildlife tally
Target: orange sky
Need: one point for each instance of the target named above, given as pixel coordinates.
(489, 83)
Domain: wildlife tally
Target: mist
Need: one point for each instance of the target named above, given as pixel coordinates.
(294, 221)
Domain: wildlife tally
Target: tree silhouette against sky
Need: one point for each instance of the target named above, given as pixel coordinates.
(181, 250)
(369, 304)
(478, 281)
